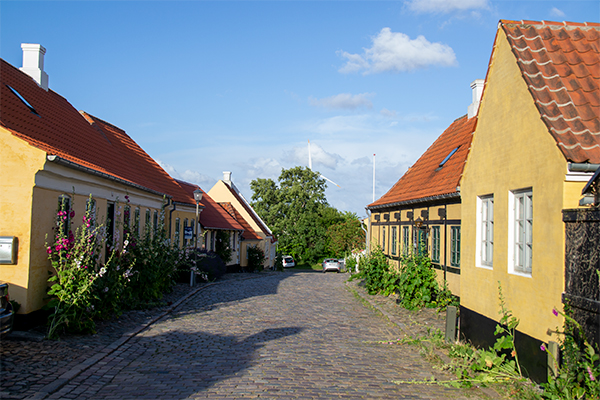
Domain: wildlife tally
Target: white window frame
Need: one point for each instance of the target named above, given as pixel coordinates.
(520, 232)
(485, 232)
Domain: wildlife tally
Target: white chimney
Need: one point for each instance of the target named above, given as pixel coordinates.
(477, 86)
(33, 63)
(227, 177)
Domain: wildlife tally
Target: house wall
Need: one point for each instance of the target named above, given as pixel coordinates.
(31, 188)
(19, 163)
(512, 150)
(220, 192)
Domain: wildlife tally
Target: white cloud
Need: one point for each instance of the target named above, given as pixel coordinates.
(188, 175)
(387, 113)
(445, 6)
(319, 157)
(555, 12)
(344, 101)
(397, 52)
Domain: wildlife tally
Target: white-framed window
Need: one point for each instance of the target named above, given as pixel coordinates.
(177, 232)
(520, 232)
(485, 231)
(394, 240)
(435, 244)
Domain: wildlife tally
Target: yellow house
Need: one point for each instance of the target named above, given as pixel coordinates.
(51, 154)
(422, 211)
(213, 219)
(536, 144)
(256, 232)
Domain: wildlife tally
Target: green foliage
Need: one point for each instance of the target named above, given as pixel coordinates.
(153, 270)
(83, 288)
(74, 259)
(579, 375)
(377, 273)
(417, 286)
(296, 211)
(222, 246)
(345, 236)
(278, 266)
(256, 258)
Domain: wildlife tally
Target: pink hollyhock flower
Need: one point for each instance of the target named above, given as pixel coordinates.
(543, 348)
(590, 373)
(555, 312)
(72, 214)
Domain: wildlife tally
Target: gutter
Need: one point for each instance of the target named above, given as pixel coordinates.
(583, 167)
(455, 195)
(91, 171)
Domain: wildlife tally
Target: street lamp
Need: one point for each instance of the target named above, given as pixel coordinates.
(197, 197)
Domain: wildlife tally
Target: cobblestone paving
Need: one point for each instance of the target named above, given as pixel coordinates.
(281, 336)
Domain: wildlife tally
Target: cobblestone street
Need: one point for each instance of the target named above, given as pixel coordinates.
(291, 335)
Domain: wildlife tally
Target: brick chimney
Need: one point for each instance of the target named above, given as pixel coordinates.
(33, 63)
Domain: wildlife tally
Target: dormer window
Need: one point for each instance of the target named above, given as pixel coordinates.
(25, 102)
(447, 158)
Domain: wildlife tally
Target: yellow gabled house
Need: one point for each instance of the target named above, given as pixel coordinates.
(52, 154)
(256, 232)
(536, 145)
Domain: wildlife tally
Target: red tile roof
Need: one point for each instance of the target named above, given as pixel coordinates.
(560, 62)
(212, 216)
(59, 129)
(426, 179)
(249, 233)
(251, 212)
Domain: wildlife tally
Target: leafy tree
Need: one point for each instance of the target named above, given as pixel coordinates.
(296, 210)
(345, 236)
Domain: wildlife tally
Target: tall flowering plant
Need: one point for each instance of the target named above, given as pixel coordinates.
(74, 258)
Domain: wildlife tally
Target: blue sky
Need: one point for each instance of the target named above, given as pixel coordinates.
(206, 87)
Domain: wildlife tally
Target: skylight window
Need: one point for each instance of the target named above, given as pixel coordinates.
(23, 100)
(448, 157)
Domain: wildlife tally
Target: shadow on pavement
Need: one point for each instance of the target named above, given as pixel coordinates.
(187, 363)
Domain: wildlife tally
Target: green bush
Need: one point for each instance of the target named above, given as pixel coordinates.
(256, 258)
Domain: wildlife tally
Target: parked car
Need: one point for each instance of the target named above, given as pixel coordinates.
(288, 262)
(331, 264)
(6, 311)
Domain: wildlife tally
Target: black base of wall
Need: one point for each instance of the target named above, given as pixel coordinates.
(479, 331)
(25, 322)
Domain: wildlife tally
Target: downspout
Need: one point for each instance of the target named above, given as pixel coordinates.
(445, 241)
(171, 218)
(368, 232)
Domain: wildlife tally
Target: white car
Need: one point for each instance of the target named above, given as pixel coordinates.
(331, 264)
(288, 262)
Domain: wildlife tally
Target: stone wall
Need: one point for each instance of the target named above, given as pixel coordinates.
(582, 263)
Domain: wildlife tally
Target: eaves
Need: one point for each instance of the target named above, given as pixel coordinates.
(449, 196)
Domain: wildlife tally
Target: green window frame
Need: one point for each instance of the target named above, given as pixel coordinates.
(455, 246)
(405, 240)
(435, 244)
(394, 240)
